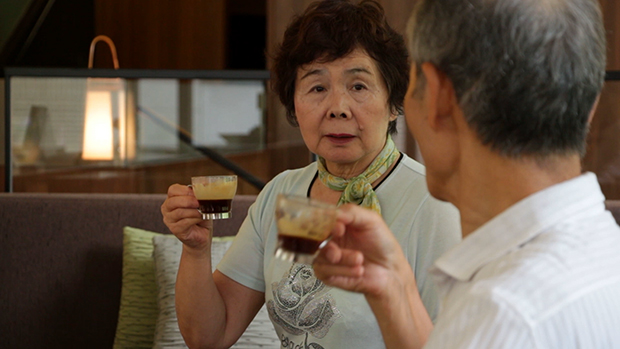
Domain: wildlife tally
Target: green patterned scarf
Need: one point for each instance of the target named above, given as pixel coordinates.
(358, 190)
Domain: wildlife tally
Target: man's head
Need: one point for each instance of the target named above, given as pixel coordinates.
(525, 73)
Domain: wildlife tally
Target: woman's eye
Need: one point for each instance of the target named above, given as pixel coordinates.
(359, 87)
(318, 89)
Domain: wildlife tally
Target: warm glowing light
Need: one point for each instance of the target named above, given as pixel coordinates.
(98, 134)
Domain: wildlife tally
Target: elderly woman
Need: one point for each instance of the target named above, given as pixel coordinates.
(341, 72)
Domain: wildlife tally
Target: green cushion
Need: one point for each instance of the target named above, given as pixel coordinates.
(147, 316)
(138, 307)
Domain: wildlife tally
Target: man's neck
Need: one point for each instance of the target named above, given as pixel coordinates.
(489, 183)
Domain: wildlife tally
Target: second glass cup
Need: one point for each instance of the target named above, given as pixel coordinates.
(304, 226)
(215, 195)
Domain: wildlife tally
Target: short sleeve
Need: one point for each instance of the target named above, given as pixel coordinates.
(439, 230)
(243, 262)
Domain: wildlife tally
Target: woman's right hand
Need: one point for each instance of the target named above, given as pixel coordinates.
(180, 214)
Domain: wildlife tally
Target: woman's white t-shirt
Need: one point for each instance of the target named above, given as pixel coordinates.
(305, 312)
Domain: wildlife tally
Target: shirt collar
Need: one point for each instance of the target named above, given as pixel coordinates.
(518, 224)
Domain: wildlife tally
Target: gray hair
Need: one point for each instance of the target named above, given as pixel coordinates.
(525, 72)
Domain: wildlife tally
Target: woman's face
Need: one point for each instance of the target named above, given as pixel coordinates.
(343, 112)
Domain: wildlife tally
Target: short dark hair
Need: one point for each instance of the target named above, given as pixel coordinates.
(526, 72)
(331, 29)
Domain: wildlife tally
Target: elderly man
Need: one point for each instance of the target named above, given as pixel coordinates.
(501, 94)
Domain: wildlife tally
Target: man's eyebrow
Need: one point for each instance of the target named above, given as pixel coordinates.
(312, 72)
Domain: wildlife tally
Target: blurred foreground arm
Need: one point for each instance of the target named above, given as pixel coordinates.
(363, 256)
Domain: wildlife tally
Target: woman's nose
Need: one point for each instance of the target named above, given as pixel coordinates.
(339, 106)
(342, 115)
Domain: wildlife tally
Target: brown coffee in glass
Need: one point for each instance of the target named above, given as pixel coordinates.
(304, 226)
(215, 195)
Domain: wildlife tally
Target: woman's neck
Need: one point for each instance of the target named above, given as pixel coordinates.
(320, 191)
(346, 171)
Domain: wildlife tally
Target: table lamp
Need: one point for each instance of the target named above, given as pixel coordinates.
(105, 109)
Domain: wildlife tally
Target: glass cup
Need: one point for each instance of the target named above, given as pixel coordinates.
(304, 226)
(215, 195)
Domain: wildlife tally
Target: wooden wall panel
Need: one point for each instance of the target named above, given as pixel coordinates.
(186, 34)
(280, 134)
(603, 154)
(398, 12)
(2, 132)
(279, 15)
(611, 16)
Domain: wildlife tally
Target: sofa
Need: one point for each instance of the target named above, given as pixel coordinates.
(62, 263)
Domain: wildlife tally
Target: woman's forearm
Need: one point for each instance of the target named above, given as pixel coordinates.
(201, 310)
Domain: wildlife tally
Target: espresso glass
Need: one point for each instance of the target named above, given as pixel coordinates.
(304, 226)
(215, 195)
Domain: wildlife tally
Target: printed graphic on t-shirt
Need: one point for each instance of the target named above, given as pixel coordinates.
(301, 305)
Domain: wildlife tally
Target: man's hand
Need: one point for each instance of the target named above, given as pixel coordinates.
(363, 254)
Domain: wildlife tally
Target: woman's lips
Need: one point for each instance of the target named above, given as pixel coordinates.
(340, 138)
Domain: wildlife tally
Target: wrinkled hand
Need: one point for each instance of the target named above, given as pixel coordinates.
(363, 254)
(181, 216)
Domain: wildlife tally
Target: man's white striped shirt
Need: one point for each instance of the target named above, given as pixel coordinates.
(543, 274)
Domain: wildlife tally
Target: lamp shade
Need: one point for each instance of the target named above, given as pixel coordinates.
(105, 107)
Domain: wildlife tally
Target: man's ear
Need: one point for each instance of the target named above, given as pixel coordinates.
(440, 97)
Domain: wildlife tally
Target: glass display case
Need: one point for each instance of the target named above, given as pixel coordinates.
(105, 123)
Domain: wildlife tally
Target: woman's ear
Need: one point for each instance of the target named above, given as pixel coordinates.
(440, 97)
(394, 114)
